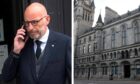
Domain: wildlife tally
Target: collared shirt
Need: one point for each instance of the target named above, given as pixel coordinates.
(44, 40)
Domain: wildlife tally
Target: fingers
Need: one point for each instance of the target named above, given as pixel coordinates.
(20, 34)
(19, 37)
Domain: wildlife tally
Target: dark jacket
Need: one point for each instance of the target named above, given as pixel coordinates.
(55, 63)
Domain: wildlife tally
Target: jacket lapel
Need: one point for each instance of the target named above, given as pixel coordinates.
(47, 53)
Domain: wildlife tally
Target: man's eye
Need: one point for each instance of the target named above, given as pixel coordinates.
(34, 22)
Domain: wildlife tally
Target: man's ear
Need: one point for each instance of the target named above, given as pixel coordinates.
(48, 19)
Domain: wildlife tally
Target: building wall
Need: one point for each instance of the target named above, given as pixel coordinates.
(112, 50)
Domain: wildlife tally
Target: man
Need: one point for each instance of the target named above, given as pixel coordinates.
(41, 56)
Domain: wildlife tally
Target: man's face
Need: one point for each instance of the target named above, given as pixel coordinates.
(36, 21)
(36, 27)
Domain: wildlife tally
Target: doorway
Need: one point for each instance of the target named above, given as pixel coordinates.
(126, 71)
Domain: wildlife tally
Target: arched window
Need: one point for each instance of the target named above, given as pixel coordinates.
(127, 54)
(113, 38)
(114, 68)
(84, 49)
(136, 52)
(89, 48)
(123, 55)
(115, 56)
(104, 68)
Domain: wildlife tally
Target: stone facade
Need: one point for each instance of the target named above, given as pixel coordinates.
(110, 49)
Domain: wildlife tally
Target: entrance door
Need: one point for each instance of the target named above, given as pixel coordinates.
(126, 71)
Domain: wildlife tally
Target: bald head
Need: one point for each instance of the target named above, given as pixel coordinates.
(35, 10)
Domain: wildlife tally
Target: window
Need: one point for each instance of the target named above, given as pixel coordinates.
(114, 68)
(124, 35)
(93, 58)
(136, 31)
(95, 45)
(138, 69)
(94, 36)
(105, 56)
(81, 51)
(111, 56)
(83, 14)
(89, 38)
(136, 52)
(104, 70)
(104, 40)
(88, 17)
(84, 49)
(115, 55)
(123, 55)
(113, 38)
(102, 57)
(89, 48)
(84, 40)
(94, 69)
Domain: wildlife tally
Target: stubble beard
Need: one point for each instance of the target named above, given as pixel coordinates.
(37, 35)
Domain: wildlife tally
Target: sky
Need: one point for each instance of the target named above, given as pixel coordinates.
(120, 6)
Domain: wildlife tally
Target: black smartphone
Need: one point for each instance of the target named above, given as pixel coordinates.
(25, 36)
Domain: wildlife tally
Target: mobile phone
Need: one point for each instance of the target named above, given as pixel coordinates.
(25, 36)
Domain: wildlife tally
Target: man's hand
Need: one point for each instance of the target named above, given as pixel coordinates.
(19, 40)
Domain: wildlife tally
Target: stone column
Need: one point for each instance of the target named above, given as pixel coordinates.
(122, 71)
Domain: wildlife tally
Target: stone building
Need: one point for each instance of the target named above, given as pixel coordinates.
(111, 48)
